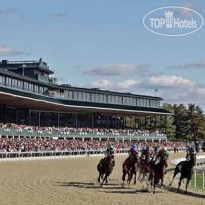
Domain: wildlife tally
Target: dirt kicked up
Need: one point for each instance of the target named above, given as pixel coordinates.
(73, 181)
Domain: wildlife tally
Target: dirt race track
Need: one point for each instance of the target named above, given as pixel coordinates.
(73, 181)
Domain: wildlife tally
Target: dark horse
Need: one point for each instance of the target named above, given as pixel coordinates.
(144, 166)
(129, 167)
(105, 167)
(157, 171)
(186, 168)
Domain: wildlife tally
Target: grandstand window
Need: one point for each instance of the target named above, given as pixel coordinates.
(25, 85)
(30, 87)
(147, 103)
(109, 98)
(97, 97)
(116, 99)
(106, 98)
(127, 101)
(124, 100)
(130, 101)
(120, 100)
(88, 97)
(70, 95)
(13, 83)
(142, 102)
(133, 102)
(18, 84)
(41, 90)
(113, 99)
(92, 97)
(101, 98)
(84, 96)
(79, 96)
(1, 80)
(35, 88)
(75, 95)
(7, 81)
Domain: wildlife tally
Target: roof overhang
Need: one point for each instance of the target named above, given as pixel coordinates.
(21, 101)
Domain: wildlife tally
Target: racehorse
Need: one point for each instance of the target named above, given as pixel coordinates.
(157, 171)
(129, 168)
(186, 168)
(144, 166)
(105, 167)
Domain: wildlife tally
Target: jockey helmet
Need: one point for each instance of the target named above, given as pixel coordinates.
(134, 146)
(112, 147)
(191, 149)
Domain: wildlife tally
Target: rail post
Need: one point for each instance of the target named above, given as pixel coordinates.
(195, 179)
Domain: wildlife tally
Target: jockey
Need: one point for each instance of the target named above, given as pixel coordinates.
(145, 152)
(109, 153)
(190, 153)
(163, 153)
(133, 150)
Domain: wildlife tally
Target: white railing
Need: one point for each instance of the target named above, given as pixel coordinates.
(198, 179)
(9, 155)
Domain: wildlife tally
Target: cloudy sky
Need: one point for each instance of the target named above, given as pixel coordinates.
(103, 43)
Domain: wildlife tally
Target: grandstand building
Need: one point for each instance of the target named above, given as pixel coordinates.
(30, 96)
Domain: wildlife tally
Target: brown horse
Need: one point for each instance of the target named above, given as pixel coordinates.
(129, 168)
(105, 167)
(157, 171)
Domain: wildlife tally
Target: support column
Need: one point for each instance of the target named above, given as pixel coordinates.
(29, 117)
(39, 118)
(107, 122)
(4, 111)
(145, 122)
(92, 120)
(155, 123)
(76, 120)
(58, 119)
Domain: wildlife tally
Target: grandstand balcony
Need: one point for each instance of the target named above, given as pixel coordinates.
(80, 135)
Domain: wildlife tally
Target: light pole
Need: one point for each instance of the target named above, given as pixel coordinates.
(156, 90)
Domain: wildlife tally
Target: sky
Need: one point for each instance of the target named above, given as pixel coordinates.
(104, 44)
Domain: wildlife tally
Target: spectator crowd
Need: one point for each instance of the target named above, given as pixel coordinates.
(71, 130)
(40, 144)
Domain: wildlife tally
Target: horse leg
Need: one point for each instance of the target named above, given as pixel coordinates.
(154, 187)
(187, 183)
(175, 173)
(123, 179)
(104, 179)
(162, 180)
(135, 177)
(130, 178)
(179, 183)
(99, 177)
